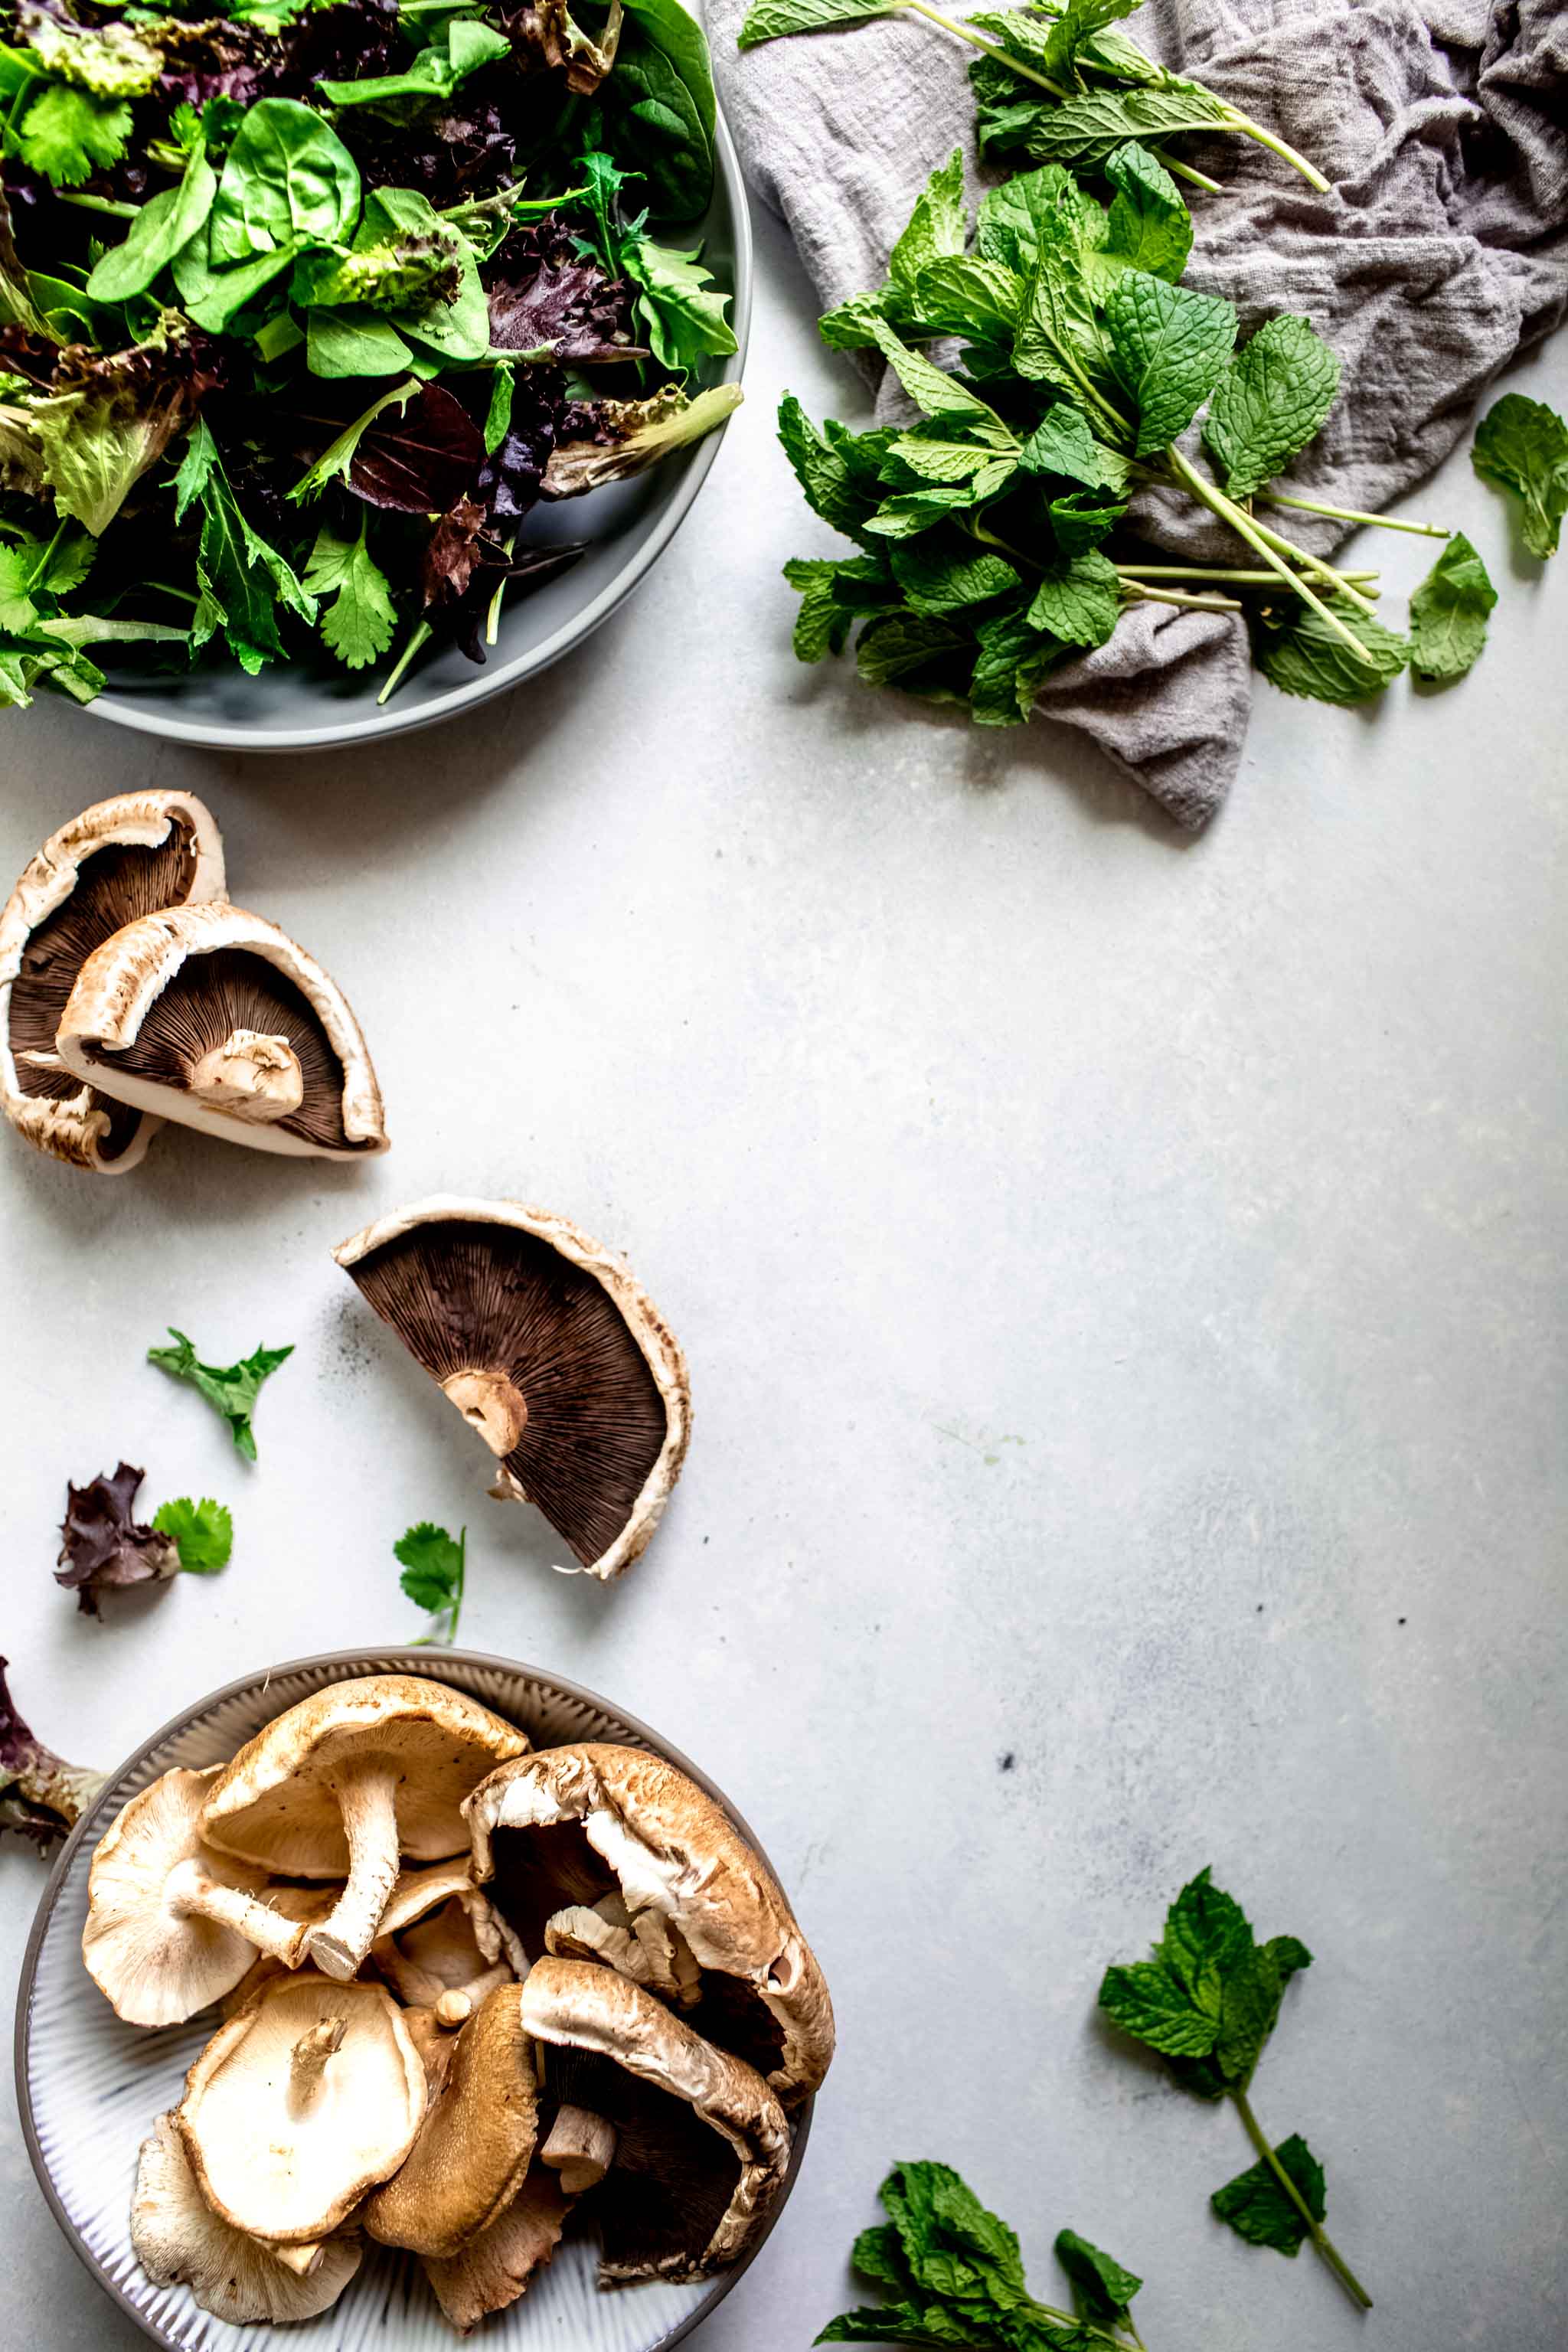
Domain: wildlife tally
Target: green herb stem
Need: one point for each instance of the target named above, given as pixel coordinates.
(96, 204)
(1189, 172)
(164, 589)
(1322, 2244)
(1139, 594)
(1353, 514)
(1317, 564)
(991, 49)
(420, 637)
(1219, 572)
(1229, 511)
(1309, 172)
(492, 618)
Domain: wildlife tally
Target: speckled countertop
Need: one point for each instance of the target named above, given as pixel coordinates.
(1123, 1280)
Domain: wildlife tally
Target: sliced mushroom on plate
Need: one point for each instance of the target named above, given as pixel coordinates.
(172, 1926)
(297, 2107)
(701, 2144)
(550, 1350)
(349, 1779)
(498, 2267)
(473, 2154)
(441, 1946)
(592, 1833)
(118, 860)
(180, 2241)
(215, 1017)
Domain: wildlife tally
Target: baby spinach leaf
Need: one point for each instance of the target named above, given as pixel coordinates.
(670, 29)
(459, 48)
(1077, 599)
(1523, 445)
(359, 623)
(288, 179)
(354, 341)
(658, 128)
(1258, 2209)
(163, 225)
(1449, 613)
(1269, 403)
(1169, 345)
(214, 297)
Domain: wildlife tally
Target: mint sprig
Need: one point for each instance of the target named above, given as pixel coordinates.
(1207, 2000)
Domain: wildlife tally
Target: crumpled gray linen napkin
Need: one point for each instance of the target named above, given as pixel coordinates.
(1440, 252)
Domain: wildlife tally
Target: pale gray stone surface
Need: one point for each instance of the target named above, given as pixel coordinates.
(1122, 1278)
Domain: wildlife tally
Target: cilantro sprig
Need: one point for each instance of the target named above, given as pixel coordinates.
(1207, 2000)
(954, 2274)
(231, 1390)
(434, 1568)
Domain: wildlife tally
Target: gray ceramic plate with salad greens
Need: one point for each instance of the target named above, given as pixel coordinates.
(359, 358)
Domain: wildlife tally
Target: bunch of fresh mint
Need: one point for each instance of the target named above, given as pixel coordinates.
(1086, 90)
(995, 535)
(952, 2274)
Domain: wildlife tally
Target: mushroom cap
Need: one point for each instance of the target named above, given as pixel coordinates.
(550, 1346)
(155, 1965)
(275, 1803)
(180, 2241)
(474, 2151)
(212, 997)
(118, 860)
(703, 2145)
(649, 1833)
(494, 2269)
(285, 2164)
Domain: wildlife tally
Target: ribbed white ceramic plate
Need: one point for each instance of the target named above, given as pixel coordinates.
(90, 2086)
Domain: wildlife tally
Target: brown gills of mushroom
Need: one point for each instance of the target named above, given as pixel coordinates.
(468, 1299)
(219, 1009)
(114, 887)
(672, 2178)
(543, 1870)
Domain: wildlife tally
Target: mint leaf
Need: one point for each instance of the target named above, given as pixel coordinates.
(938, 227)
(1257, 2208)
(1301, 655)
(830, 485)
(877, 2256)
(937, 577)
(1078, 599)
(231, 1390)
(1449, 613)
(1170, 345)
(1016, 218)
(68, 134)
(963, 295)
(203, 1533)
(433, 1572)
(936, 393)
(909, 651)
(1085, 131)
(1063, 443)
(1269, 403)
(1009, 670)
(1523, 445)
(1150, 2003)
(822, 624)
(1082, 519)
(1061, 338)
(162, 225)
(771, 20)
(1149, 228)
(1102, 2288)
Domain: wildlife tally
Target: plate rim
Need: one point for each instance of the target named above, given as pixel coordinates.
(409, 1661)
(376, 726)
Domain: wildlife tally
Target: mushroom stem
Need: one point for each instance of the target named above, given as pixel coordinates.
(454, 2008)
(308, 2067)
(489, 1404)
(250, 1076)
(581, 2147)
(193, 1894)
(303, 2261)
(368, 1802)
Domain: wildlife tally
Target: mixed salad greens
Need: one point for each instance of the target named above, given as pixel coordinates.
(304, 309)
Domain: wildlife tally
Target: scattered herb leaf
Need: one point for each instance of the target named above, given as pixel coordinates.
(231, 1390)
(433, 1572)
(1523, 445)
(203, 1533)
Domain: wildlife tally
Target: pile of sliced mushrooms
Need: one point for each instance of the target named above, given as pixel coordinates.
(132, 992)
(464, 1985)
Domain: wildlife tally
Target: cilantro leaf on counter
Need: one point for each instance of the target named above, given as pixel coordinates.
(231, 1390)
(433, 1566)
(203, 1533)
(1523, 445)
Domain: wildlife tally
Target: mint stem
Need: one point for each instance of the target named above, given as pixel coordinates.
(1321, 2243)
(1314, 564)
(1229, 511)
(1139, 594)
(1251, 129)
(1215, 572)
(951, 25)
(1187, 172)
(421, 637)
(1353, 514)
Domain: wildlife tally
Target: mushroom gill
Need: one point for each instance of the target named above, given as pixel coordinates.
(549, 1350)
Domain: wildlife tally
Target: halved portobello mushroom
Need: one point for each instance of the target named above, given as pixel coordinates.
(701, 2145)
(550, 1350)
(118, 860)
(217, 1018)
